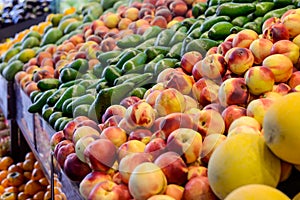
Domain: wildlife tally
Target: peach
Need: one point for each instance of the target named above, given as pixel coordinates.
(281, 88)
(90, 180)
(194, 171)
(296, 40)
(243, 129)
(115, 134)
(213, 67)
(131, 161)
(129, 147)
(124, 23)
(210, 143)
(104, 189)
(280, 65)
(189, 59)
(214, 106)
(141, 134)
(94, 38)
(232, 113)
(145, 12)
(291, 22)
(175, 191)
(259, 80)
(233, 91)
(286, 170)
(71, 166)
(150, 98)
(111, 20)
(181, 82)
(198, 188)
(245, 120)
(84, 131)
(126, 126)
(260, 48)
(269, 22)
(56, 138)
(276, 32)
(132, 13)
(196, 71)
(190, 103)
(141, 22)
(159, 21)
(166, 13)
(239, 60)
(146, 180)
(156, 147)
(287, 48)
(63, 152)
(30, 87)
(81, 145)
(224, 47)
(174, 121)
(258, 107)
(187, 143)
(178, 8)
(171, 163)
(205, 91)
(208, 122)
(77, 39)
(41, 56)
(294, 79)
(128, 101)
(161, 197)
(244, 38)
(140, 114)
(169, 101)
(212, 50)
(103, 161)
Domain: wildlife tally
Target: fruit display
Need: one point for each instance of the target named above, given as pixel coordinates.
(25, 10)
(26, 180)
(168, 99)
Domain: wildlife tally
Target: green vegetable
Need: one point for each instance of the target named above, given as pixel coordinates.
(107, 97)
(138, 92)
(164, 64)
(277, 13)
(220, 30)
(128, 41)
(124, 77)
(81, 65)
(48, 83)
(210, 11)
(55, 96)
(207, 24)
(81, 110)
(175, 51)
(235, 9)
(151, 32)
(73, 91)
(240, 21)
(262, 8)
(38, 105)
(141, 80)
(201, 45)
(152, 52)
(131, 64)
(105, 56)
(199, 9)
(164, 37)
(125, 57)
(68, 74)
(110, 73)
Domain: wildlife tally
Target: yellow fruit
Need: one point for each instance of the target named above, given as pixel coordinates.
(297, 197)
(25, 55)
(241, 160)
(281, 128)
(256, 191)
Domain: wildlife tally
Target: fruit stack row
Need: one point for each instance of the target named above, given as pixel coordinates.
(143, 91)
(26, 180)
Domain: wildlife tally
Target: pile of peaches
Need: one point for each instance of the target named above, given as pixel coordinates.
(158, 147)
(102, 36)
(26, 180)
